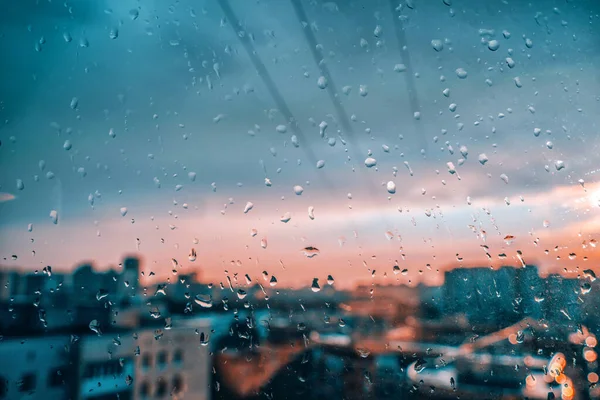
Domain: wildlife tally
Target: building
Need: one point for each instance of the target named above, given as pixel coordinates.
(146, 363)
(10, 284)
(36, 368)
(486, 295)
(129, 279)
(174, 362)
(561, 301)
(105, 366)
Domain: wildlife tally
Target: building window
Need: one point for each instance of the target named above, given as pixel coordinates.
(147, 360)
(145, 390)
(161, 388)
(161, 359)
(3, 387)
(27, 383)
(56, 377)
(178, 356)
(177, 383)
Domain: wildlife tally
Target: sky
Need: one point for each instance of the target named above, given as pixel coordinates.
(146, 127)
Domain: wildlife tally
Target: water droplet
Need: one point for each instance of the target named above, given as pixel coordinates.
(461, 73)
(363, 90)
(204, 300)
(101, 294)
(310, 251)
(134, 14)
(586, 287)
(504, 178)
(253, 232)
(311, 212)
(286, 218)
(399, 68)
(510, 62)
(249, 206)
(54, 216)
(520, 337)
(420, 365)
(370, 162)
(20, 184)
(363, 353)
(590, 274)
(263, 243)
(518, 82)
(539, 297)
(391, 187)
(315, 285)
(95, 327)
(322, 82)
(67, 145)
(298, 190)
(123, 211)
(493, 45)
(114, 33)
(241, 294)
(437, 45)
(74, 103)
(483, 158)
(378, 31)
(281, 128)
(559, 164)
(192, 255)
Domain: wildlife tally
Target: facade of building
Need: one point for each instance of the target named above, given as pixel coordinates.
(36, 368)
(174, 363)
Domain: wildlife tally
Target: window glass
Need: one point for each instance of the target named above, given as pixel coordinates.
(27, 383)
(298, 199)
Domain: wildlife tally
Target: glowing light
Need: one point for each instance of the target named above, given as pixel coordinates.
(557, 365)
(567, 392)
(590, 355)
(591, 341)
(592, 377)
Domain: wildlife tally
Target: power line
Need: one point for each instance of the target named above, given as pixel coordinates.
(413, 97)
(267, 80)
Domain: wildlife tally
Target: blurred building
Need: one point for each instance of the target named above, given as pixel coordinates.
(487, 295)
(174, 362)
(561, 301)
(36, 368)
(129, 279)
(105, 367)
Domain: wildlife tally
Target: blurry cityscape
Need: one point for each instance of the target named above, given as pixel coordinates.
(503, 333)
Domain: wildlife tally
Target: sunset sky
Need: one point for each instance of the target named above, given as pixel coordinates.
(144, 105)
